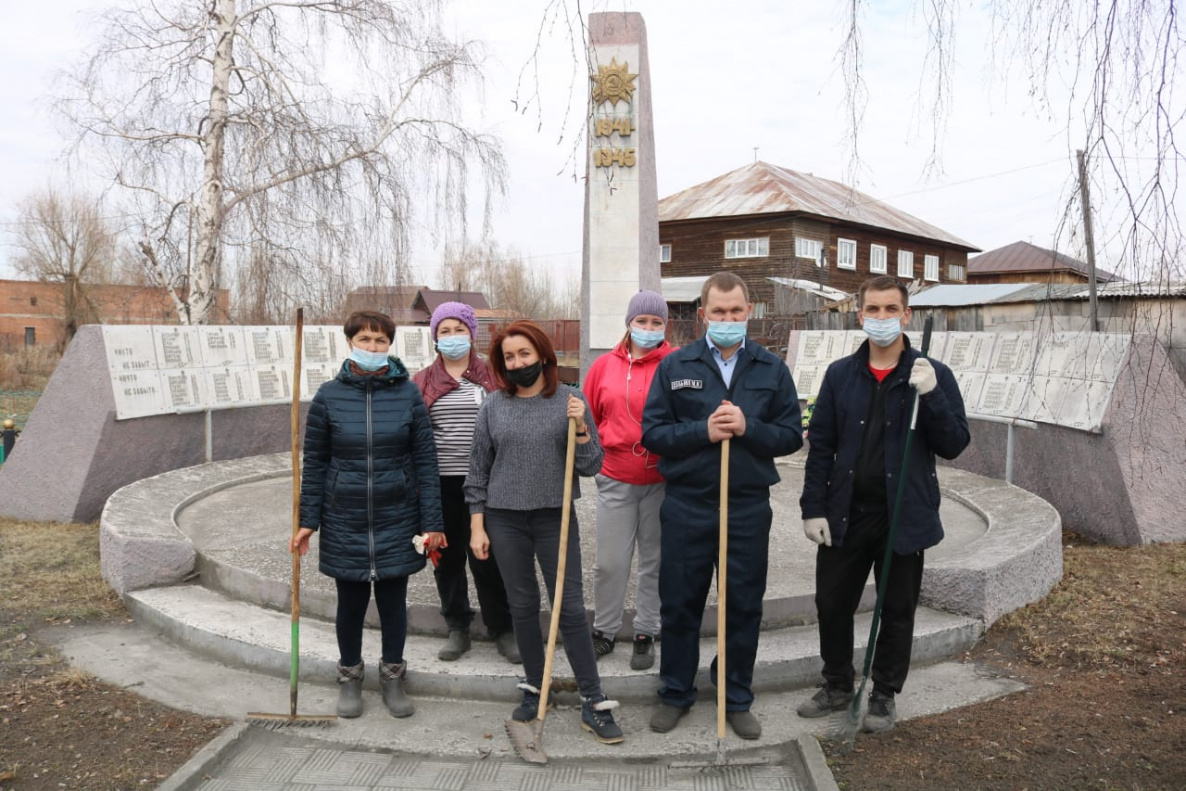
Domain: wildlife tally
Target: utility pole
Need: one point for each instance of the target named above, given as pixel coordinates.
(1085, 197)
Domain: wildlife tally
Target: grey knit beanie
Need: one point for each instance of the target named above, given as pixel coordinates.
(646, 303)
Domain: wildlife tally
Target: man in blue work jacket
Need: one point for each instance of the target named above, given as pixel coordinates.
(722, 386)
(858, 434)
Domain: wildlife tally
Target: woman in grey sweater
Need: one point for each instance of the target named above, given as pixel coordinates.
(515, 491)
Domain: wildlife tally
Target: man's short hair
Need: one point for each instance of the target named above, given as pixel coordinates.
(883, 283)
(723, 282)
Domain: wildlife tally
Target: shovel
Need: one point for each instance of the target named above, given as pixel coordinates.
(527, 737)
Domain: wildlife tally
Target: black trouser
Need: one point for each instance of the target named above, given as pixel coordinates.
(391, 599)
(450, 572)
(690, 541)
(840, 577)
(521, 537)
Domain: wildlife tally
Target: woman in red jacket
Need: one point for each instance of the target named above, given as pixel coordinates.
(629, 487)
(454, 386)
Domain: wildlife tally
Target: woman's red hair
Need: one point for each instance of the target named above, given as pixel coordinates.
(543, 347)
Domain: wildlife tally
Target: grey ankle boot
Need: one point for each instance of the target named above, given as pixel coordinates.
(350, 691)
(391, 679)
(457, 644)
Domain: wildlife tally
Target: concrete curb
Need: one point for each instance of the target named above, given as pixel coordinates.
(815, 763)
(191, 772)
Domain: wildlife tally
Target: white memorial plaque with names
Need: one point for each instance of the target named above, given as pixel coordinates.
(183, 389)
(971, 385)
(273, 383)
(269, 345)
(816, 348)
(177, 347)
(129, 348)
(852, 341)
(1013, 353)
(808, 380)
(938, 343)
(324, 345)
(968, 351)
(1002, 395)
(1104, 355)
(229, 386)
(1061, 354)
(137, 394)
(313, 376)
(222, 347)
(414, 347)
(1085, 404)
(1044, 399)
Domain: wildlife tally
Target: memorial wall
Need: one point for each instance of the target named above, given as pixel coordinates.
(168, 369)
(1062, 378)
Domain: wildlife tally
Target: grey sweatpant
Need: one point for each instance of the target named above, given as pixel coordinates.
(627, 514)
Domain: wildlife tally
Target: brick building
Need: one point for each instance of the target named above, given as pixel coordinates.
(32, 313)
(765, 221)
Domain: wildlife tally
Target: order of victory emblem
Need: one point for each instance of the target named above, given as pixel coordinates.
(613, 83)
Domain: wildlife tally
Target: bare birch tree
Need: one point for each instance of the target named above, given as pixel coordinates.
(64, 239)
(295, 135)
(510, 283)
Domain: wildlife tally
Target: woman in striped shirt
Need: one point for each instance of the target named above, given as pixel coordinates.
(454, 386)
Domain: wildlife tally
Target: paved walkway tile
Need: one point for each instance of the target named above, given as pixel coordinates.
(264, 761)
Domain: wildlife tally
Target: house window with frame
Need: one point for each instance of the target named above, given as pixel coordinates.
(808, 248)
(877, 258)
(30, 336)
(956, 272)
(930, 269)
(665, 254)
(846, 254)
(747, 248)
(906, 264)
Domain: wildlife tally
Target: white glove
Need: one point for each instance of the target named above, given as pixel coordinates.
(922, 376)
(817, 530)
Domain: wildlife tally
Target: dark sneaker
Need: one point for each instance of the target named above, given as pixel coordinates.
(507, 646)
(881, 714)
(528, 709)
(826, 701)
(744, 724)
(602, 644)
(643, 657)
(597, 718)
(666, 717)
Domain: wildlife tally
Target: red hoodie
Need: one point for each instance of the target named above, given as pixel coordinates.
(616, 388)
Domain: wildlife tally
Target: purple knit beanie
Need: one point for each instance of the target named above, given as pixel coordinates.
(646, 303)
(454, 310)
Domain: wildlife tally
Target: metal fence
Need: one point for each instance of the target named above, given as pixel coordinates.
(17, 404)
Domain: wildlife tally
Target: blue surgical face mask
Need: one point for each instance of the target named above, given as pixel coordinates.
(368, 361)
(882, 332)
(646, 339)
(727, 333)
(454, 346)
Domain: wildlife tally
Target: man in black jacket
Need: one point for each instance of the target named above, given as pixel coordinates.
(857, 440)
(722, 386)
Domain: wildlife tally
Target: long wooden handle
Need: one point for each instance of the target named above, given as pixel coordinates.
(294, 669)
(570, 455)
(722, 586)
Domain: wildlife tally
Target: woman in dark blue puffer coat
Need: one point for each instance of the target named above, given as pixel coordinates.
(370, 485)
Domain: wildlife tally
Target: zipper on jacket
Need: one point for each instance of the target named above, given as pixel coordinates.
(370, 486)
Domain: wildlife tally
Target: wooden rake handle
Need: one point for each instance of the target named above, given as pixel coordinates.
(722, 587)
(570, 454)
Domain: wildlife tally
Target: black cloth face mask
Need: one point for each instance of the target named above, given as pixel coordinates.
(526, 376)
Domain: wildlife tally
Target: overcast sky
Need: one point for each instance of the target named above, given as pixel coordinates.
(727, 78)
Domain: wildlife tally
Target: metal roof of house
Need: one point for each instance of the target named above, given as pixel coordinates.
(824, 292)
(762, 188)
(1026, 257)
(950, 296)
(682, 289)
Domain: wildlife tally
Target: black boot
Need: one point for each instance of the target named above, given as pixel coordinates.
(457, 644)
(391, 679)
(350, 691)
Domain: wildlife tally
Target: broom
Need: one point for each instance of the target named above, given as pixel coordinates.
(847, 735)
(292, 718)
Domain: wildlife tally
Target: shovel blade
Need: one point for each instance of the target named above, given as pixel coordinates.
(527, 739)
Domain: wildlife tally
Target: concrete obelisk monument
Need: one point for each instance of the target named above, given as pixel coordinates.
(621, 246)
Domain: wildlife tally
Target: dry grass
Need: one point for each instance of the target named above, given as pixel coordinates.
(27, 369)
(1140, 591)
(52, 570)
